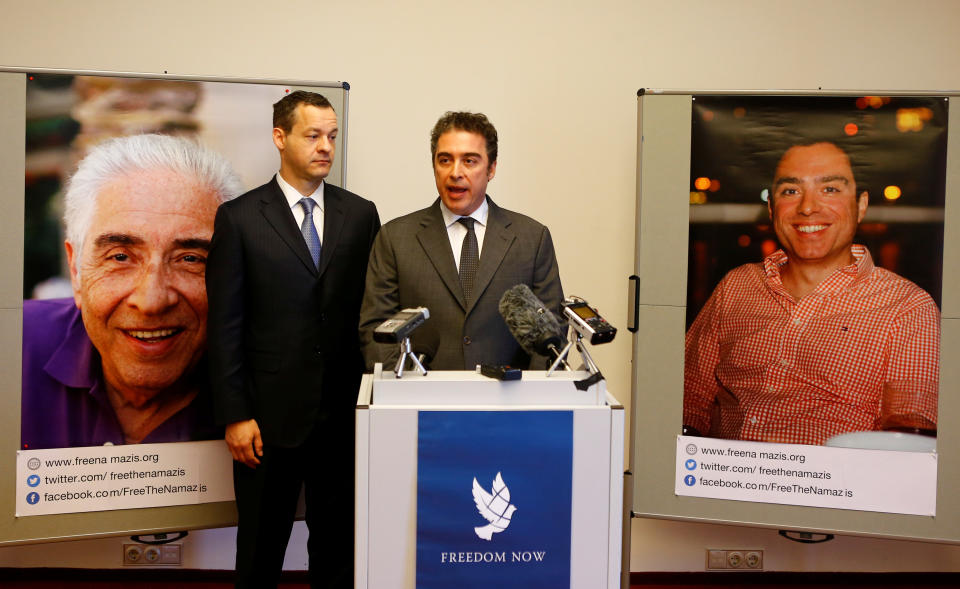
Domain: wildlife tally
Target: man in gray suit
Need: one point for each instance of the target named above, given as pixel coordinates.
(457, 257)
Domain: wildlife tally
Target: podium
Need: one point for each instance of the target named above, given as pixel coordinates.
(403, 420)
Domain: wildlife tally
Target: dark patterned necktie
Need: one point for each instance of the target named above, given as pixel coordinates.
(469, 259)
(309, 230)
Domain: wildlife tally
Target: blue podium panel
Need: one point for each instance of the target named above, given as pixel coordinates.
(494, 496)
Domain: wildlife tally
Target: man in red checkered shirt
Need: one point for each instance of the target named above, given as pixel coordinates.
(797, 348)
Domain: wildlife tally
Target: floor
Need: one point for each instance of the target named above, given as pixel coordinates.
(113, 579)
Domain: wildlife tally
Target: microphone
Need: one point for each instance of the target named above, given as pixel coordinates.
(400, 326)
(534, 326)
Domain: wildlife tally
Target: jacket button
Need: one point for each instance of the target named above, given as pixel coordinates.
(466, 340)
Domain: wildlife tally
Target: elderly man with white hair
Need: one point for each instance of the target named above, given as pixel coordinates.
(120, 362)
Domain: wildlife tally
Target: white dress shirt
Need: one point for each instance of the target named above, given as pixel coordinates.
(293, 197)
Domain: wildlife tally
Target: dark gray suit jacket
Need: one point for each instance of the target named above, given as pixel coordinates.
(282, 334)
(412, 265)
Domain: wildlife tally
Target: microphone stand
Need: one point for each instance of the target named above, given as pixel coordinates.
(406, 351)
(560, 356)
(587, 358)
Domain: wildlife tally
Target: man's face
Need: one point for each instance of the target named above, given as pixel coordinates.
(140, 287)
(462, 170)
(814, 205)
(306, 151)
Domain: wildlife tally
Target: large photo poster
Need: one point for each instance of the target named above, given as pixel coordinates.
(122, 181)
(814, 284)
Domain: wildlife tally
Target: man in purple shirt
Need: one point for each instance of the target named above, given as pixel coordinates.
(121, 362)
(65, 400)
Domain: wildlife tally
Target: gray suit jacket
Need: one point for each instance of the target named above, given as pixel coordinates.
(412, 265)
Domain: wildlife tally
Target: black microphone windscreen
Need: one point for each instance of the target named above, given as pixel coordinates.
(530, 322)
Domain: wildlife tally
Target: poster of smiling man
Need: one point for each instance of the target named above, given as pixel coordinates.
(122, 182)
(813, 305)
(813, 301)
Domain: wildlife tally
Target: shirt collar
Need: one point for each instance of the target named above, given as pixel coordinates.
(75, 363)
(449, 218)
(293, 195)
(843, 277)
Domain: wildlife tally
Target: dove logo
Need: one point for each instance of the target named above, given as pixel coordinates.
(495, 507)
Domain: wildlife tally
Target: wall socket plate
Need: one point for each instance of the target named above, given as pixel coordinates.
(734, 559)
(152, 554)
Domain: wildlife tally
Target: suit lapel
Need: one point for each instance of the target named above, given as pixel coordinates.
(333, 218)
(435, 242)
(496, 242)
(278, 214)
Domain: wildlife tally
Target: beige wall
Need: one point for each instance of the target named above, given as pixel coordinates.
(559, 79)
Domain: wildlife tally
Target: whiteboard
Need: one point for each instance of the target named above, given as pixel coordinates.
(235, 119)
(661, 263)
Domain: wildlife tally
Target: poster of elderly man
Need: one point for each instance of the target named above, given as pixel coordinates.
(120, 361)
(123, 180)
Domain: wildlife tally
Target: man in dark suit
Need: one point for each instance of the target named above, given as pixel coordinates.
(285, 358)
(457, 258)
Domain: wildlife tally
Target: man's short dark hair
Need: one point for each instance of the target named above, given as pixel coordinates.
(471, 123)
(284, 108)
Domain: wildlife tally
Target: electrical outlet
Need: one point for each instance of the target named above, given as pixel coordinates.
(152, 554)
(734, 559)
(132, 553)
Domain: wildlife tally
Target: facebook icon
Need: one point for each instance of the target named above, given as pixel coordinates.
(690, 480)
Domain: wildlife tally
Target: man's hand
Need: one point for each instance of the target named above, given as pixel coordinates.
(243, 439)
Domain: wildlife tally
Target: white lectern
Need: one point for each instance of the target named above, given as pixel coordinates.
(386, 466)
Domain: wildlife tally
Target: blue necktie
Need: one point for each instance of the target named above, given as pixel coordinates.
(309, 230)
